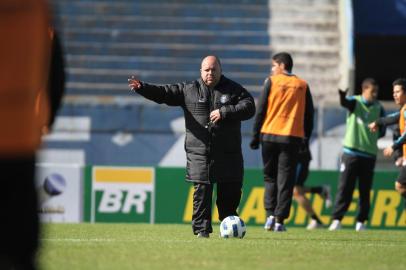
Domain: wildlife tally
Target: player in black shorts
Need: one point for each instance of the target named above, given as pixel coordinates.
(300, 190)
(397, 155)
(398, 158)
(399, 96)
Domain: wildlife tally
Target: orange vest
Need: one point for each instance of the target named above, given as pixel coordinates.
(286, 107)
(24, 54)
(402, 127)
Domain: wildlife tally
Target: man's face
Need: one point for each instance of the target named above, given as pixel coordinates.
(210, 71)
(370, 93)
(277, 68)
(399, 95)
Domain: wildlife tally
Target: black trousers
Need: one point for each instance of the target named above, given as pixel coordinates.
(280, 161)
(19, 226)
(353, 168)
(228, 199)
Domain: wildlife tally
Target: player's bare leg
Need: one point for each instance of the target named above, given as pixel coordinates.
(303, 201)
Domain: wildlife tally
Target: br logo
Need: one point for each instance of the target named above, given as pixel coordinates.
(114, 201)
(122, 193)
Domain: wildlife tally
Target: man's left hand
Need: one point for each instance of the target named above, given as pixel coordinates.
(215, 116)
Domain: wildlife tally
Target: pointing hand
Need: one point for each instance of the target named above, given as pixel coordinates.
(134, 84)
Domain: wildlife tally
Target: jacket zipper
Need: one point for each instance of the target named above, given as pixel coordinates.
(210, 132)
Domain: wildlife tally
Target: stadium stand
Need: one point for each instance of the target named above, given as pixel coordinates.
(163, 42)
(308, 29)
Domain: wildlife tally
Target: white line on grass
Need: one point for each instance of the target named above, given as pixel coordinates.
(78, 240)
(73, 240)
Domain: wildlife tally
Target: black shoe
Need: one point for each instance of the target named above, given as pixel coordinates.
(203, 235)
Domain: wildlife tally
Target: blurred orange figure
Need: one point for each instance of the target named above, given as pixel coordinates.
(25, 49)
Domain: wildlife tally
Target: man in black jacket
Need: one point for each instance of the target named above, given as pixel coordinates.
(214, 107)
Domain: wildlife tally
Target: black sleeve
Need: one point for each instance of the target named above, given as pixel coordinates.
(171, 95)
(56, 87)
(309, 114)
(243, 110)
(399, 141)
(262, 107)
(382, 128)
(347, 103)
(391, 119)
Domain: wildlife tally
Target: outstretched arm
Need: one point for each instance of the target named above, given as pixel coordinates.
(391, 119)
(171, 95)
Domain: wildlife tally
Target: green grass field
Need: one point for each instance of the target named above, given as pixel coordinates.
(144, 246)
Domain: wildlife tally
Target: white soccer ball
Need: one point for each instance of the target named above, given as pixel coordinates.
(232, 227)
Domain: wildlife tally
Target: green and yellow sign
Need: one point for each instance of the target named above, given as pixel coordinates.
(386, 203)
(161, 195)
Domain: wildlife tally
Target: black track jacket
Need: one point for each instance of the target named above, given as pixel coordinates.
(213, 151)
